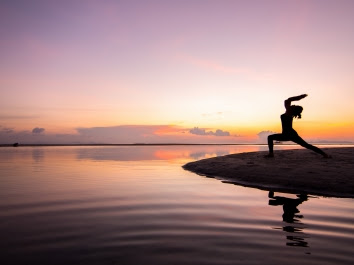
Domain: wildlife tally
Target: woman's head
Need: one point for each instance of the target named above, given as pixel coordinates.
(296, 111)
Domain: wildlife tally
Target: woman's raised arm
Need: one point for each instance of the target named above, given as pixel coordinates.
(287, 102)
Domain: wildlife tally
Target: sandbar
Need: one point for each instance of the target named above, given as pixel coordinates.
(296, 171)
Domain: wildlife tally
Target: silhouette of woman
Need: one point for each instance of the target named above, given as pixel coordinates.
(288, 133)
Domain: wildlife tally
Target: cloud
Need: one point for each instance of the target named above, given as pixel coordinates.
(264, 134)
(198, 131)
(38, 130)
(218, 132)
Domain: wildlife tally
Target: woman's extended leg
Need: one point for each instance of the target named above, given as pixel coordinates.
(303, 143)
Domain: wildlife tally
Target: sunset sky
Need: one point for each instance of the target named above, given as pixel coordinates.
(194, 71)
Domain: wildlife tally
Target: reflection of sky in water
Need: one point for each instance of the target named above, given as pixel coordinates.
(177, 152)
(180, 152)
(137, 153)
(38, 154)
(131, 205)
(133, 153)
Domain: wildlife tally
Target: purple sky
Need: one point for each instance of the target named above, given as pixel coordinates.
(177, 65)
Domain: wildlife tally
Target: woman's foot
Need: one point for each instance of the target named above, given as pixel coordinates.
(270, 155)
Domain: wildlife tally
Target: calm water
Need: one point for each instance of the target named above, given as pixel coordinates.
(136, 205)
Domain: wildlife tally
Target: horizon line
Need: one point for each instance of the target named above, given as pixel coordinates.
(169, 144)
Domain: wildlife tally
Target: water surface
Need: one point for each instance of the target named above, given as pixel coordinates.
(136, 205)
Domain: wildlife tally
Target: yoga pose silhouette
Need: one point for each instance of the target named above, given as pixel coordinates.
(288, 133)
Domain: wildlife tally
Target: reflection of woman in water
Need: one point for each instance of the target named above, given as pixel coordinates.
(294, 227)
(288, 133)
(289, 205)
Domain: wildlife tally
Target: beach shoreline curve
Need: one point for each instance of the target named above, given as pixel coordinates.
(298, 171)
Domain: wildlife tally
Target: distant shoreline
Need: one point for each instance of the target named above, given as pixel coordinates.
(169, 144)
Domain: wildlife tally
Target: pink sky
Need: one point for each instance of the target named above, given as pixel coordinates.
(153, 71)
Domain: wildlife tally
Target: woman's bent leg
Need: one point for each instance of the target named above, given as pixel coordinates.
(274, 137)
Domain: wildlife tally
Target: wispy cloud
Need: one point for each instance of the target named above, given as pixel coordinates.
(6, 130)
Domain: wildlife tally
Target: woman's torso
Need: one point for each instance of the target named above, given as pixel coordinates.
(287, 124)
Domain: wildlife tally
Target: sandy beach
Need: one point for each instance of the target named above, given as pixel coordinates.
(296, 171)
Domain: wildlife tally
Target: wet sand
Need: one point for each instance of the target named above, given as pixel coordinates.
(296, 171)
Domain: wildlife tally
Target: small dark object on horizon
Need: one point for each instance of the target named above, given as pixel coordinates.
(15, 145)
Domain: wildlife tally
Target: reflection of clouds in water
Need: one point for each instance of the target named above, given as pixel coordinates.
(197, 155)
(201, 155)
